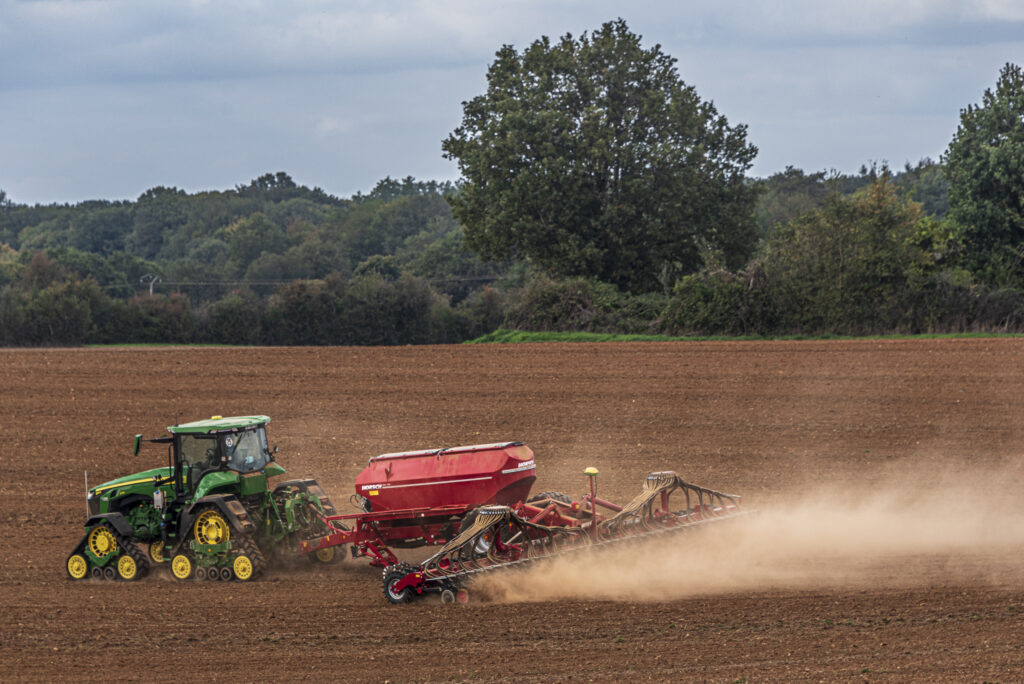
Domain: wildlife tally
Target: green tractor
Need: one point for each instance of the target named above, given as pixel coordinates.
(210, 512)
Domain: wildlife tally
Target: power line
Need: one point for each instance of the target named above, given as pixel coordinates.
(152, 281)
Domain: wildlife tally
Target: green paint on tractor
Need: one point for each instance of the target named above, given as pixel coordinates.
(210, 510)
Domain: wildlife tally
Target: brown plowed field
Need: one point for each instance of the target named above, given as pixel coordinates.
(888, 475)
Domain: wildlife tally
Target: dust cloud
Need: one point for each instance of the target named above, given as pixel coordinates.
(924, 530)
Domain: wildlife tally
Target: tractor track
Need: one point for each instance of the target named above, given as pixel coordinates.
(771, 421)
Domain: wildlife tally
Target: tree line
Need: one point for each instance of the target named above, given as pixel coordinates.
(598, 193)
(270, 262)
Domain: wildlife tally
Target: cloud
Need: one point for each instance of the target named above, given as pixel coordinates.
(56, 42)
(104, 98)
(60, 42)
(839, 23)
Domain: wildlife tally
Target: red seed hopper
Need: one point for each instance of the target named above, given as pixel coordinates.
(469, 476)
(418, 498)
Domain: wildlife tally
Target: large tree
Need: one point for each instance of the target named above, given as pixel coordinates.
(590, 156)
(985, 166)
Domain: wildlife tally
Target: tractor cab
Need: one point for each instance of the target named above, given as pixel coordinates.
(218, 452)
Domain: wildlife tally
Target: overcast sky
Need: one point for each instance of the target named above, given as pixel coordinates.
(105, 99)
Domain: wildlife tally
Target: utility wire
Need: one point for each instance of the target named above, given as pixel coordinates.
(213, 283)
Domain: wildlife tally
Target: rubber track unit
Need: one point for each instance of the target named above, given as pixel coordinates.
(129, 548)
(259, 561)
(137, 555)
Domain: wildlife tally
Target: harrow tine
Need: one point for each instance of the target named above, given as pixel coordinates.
(494, 537)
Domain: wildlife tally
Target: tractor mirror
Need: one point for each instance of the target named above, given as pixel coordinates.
(274, 451)
(138, 440)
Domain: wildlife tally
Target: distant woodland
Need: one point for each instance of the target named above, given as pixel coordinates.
(598, 193)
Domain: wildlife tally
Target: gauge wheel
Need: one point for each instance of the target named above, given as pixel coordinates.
(242, 568)
(127, 568)
(393, 574)
(78, 567)
(181, 566)
(156, 551)
(326, 554)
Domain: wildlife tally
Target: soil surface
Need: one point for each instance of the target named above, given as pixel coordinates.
(887, 475)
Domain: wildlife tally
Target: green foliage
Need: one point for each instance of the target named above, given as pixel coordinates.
(102, 230)
(788, 194)
(366, 310)
(379, 266)
(842, 269)
(40, 272)
(9, 267)
(927, 184)
(270, 187)
(235, 319)
(581, 304)
(375, 227)
(119, 272)
(160, 318)
(279, 188)
(304, 313)
(985, 167)
(592, 158)
(707, 302)
(250, 238)
(481, 312)
(12, 316)
(861, 264)
(404, 311)
(157, 213)
(60, 313)
(388, 189)
(220, 256)
(444, 261)
(46, 234)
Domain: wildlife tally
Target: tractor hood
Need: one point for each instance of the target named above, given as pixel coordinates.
(102, 498)
(132, 481)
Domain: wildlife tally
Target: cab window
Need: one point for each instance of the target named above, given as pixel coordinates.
(198, 450)
(247, 451)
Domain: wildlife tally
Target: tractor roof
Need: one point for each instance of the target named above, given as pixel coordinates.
(218, 424)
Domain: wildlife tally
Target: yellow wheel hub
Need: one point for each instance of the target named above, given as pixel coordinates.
(325, 555)
(156, 552)
(77, 566)
(102, 542)
(181, 566)
(242, 567)
(211, 528)
(126, 567)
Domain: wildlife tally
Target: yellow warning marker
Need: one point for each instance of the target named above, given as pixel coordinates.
(591, 472)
